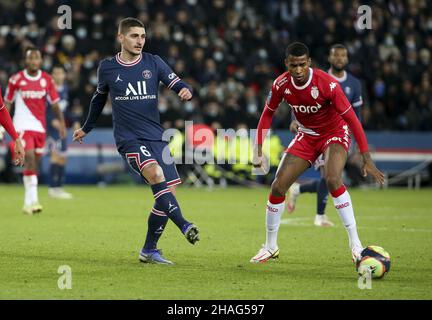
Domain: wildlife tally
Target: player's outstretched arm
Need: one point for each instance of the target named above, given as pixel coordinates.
(370, 168)
(97, 104)
(172, 81)
(272, 103)
(368, 164)
(346, 111)
(259, 160)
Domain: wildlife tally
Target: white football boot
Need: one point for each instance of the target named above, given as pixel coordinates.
(321, 220)
(27, 210)
(36, 207)
(59, 193)
(264, 254)
(32, 209)
(356, 254)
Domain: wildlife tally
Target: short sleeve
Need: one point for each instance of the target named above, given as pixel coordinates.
(11, 89)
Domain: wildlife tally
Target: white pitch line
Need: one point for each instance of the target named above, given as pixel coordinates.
(297, 222)
(301, 222)
(395, 217)
(399, 229)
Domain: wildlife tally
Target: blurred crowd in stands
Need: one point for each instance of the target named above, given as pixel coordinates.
(230, 52)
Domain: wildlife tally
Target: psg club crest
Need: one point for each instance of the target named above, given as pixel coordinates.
(147, 74)
(314, 92)
(347, 90)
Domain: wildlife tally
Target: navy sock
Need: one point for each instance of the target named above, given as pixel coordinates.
(167, 203)
(322, 196)
(156, 225)
(60, 175)
(309, 187)
(53, 175)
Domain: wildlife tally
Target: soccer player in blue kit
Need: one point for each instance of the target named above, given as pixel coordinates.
(132, 79)
(58, 147)
(351, 86)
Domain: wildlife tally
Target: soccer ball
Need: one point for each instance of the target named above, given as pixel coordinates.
(375, 260)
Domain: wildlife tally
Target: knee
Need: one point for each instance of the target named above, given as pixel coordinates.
(30, 162)
(153, 173)
(333, 181)
(278, 189)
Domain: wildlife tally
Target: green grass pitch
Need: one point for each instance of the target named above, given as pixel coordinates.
(99, 234)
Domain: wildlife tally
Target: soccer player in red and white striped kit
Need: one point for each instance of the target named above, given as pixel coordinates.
(325, 117)
(31, 89)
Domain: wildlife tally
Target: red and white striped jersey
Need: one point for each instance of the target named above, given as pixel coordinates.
(31, 94)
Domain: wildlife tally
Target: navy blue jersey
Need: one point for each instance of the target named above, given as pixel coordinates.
(351, 86)
(63, 92)
(133, 88)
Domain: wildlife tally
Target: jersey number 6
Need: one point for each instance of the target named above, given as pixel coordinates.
(145, 151)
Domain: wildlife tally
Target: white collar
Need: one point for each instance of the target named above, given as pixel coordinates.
(307, 82)
(32, 78)
(128, 64)
(341, 79)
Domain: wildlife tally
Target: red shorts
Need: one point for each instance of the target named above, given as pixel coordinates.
(309, 147)
(32, 140)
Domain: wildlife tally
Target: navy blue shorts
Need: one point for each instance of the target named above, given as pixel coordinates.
(57, 145)
(141, 153)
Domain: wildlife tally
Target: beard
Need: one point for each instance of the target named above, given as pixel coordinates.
(32, 70)
(337, 69)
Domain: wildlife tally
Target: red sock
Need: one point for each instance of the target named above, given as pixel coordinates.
(339, 191)
(276, 200)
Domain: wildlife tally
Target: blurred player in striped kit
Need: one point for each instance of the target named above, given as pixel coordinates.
(31, 89)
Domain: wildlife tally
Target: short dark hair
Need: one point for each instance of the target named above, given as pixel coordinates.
(338, 46)
(297, 49)
(31, 49)
(128, 23)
